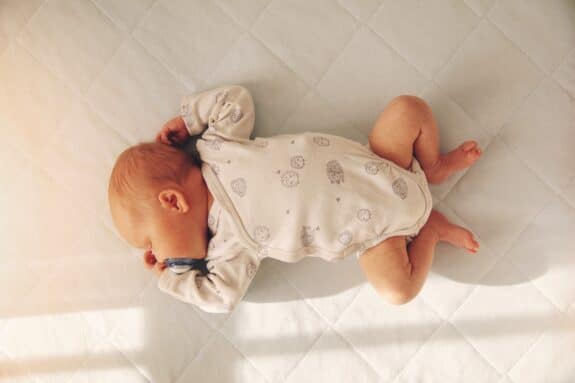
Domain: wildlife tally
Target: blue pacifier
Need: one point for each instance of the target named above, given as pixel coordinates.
(182, 265)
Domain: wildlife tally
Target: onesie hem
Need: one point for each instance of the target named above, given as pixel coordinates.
(416, 172)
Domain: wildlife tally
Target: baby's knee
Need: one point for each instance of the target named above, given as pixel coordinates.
(409, 105)
(399, 294)
(389, 270)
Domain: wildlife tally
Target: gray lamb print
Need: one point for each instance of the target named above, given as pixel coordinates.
(290, 178)
(262, 251)
(364, 215)
(400, 188)
(215, 168)
(307, 235)
(321, 141)
(239, 186)
(236, 115)
(297, 161)
(334, 171)
(261, 233)
(372, 167)
(250, 270)
(344, 237)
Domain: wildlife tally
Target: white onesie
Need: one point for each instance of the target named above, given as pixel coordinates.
(287, 197)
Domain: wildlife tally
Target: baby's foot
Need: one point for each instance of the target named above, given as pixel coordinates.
(462, 157)
(448, 232)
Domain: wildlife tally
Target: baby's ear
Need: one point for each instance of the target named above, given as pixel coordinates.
(173, 200)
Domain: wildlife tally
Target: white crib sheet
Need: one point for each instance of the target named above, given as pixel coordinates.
(82, 80)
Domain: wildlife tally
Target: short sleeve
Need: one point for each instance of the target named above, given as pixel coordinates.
(218, 291)
(228, 109)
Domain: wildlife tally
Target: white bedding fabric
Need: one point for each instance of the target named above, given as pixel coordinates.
(80, 80)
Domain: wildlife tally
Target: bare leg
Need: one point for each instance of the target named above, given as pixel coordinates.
(422, 249)
(406, 128)
(398, 272)
(421, 252)
(426, 145)
(438, 167)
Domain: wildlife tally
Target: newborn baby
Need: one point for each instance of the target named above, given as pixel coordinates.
(213, 219)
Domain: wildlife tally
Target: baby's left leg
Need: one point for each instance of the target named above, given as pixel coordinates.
(407, 128)
(397, 272)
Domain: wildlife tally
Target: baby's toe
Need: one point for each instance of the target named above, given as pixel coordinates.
(472, 156)
(474, 153)
(471, 243)
(468, 146)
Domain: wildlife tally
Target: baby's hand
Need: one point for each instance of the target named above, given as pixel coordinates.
(174, 132)
(152, 263)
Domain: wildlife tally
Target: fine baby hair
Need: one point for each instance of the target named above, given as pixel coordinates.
(142, 167)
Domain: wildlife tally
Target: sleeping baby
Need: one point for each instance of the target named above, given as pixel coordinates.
(207, 221)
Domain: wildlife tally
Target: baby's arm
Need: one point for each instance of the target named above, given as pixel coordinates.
(220, 290)
(228, 109)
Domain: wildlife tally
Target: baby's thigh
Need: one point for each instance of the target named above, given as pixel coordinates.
(387, 267)
(396, 129)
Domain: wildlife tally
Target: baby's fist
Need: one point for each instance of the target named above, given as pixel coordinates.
(174, 132)
(153, 264)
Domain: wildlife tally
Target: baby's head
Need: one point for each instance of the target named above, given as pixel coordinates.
(157, 199)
